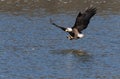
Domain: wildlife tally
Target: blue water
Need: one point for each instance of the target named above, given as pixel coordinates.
(32, 48)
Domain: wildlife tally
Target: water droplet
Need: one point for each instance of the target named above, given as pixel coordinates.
(33, 48)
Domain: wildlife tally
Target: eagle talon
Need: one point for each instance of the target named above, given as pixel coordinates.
(81, 23)
(70, 37)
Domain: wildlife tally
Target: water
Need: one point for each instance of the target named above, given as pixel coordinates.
(31, 48)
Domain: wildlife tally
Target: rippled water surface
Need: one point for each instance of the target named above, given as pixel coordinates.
(32, 48)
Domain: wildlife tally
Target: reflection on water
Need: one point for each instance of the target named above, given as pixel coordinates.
(31, 48)
(70, 51)
(81, 56)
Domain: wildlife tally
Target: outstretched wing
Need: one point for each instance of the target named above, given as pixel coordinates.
(63, 28)
(83, 19)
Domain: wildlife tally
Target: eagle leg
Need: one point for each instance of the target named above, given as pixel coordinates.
(70, 37)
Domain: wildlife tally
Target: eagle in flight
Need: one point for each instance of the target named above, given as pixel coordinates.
(81, 23)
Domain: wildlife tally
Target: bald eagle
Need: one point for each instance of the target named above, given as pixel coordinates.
(81, 23)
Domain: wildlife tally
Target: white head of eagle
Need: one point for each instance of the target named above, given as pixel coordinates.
(81, 23)
(68, 29)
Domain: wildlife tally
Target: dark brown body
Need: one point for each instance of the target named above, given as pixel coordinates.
(81, 23)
